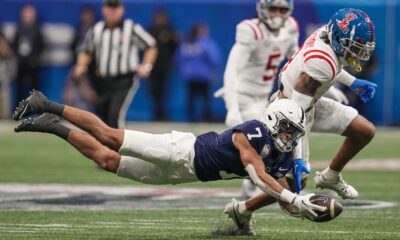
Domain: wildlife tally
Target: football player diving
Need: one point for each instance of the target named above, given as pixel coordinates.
(260, 150)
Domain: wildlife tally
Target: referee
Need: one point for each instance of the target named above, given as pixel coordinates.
(113, 45)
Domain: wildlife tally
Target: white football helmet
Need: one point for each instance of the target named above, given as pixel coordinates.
(285, 121)
(274, 23)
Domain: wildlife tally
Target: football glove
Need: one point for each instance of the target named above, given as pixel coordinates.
(299, 167)
(364, 89)
(233, 117)
(306, 208)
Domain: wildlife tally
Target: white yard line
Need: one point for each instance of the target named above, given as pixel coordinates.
(118, 190)
(367, 164)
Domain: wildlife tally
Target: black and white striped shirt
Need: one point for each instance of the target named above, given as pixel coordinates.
(116, 50)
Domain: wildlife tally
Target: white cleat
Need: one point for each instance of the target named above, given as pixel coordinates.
(338, 185)
(243, 222)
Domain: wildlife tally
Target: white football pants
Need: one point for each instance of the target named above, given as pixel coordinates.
(158, 158)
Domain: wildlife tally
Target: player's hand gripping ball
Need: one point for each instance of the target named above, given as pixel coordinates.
(333, 208)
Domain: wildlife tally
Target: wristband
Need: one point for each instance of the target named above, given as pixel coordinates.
(345, 78)
(301, 99)
(287, 196)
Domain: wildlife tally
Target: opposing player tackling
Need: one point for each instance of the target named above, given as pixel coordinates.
(261, 45)
(348, 39)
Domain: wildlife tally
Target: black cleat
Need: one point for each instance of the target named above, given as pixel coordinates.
(35, 103)
(45, 122)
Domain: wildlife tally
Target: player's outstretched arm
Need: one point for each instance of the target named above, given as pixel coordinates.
(364, 89)
(255, 166)
(256, 169)
(238, 57)
(304, 90)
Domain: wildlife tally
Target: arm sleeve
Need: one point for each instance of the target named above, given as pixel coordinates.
(293, 30)
(238, 57)
(285, 195)
(145, 40)
(88, 43)
(345, 78)
(298, 150)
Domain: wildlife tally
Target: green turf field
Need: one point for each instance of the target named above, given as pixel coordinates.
(40, 158)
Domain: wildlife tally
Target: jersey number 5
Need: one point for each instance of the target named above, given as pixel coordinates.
(272, 65)
(257, 135)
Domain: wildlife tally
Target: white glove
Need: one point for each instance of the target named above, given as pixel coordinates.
(219, 93)
(337, 95)
(306, 208)
(233, 117)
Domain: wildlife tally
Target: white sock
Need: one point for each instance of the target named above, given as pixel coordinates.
(243, 210)
(330, 174)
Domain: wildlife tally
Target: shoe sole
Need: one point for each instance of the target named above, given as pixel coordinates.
(20, 113)
(239, 226)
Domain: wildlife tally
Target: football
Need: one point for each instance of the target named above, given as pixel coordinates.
(333, 208)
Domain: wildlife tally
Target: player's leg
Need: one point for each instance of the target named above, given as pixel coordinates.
(93, 125)
(38, 103)
(84, 143)
(128, 167)
(241, 212)
(357, 135)
(334, 117)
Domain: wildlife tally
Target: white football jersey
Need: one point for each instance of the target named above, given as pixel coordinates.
(315, 58)
(266, 52)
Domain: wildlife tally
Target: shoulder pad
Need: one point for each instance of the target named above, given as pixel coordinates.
(320, 65)
(248, 32)
(292, 26)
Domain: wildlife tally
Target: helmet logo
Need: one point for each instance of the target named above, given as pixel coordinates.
(344, 24)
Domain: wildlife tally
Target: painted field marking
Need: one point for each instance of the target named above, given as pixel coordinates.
(119, 190)
(63, 197)
(331, 231)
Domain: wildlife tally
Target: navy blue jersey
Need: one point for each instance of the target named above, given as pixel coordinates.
(217, 158)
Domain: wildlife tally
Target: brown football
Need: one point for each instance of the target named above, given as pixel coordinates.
(333, 208)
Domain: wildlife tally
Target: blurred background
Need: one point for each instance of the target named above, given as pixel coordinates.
(60, 20)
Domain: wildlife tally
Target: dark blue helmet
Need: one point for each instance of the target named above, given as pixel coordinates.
(352, 36)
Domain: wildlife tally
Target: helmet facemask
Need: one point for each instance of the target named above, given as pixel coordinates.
(276, 22)
(285, 133)
(356, 53)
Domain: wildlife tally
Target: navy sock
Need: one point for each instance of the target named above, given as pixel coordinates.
(55, 108)
(61, 131)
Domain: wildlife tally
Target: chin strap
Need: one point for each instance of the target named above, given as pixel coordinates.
(353, 62)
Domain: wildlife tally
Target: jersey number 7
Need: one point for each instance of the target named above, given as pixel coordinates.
(257, 135)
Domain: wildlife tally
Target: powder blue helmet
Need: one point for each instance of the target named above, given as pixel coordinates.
(352, 36)
(276, 22)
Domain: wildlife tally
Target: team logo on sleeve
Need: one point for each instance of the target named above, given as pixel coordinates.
(344, 24)
(266, 150)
